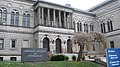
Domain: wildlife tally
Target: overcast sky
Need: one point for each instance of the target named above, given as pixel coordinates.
(80, 4)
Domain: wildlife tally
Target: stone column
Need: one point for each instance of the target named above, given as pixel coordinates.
(48, 17)
(54, 18)
(71, 21)
(39, 14)
(65, 19)
(59, 18)
(42, 15)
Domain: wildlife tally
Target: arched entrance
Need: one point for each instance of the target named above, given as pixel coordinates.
(58, 46)
(69, 46)
(46, 43)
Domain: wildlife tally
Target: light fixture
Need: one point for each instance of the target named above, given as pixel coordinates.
(9, 5)
(21, 7)
(52, 41)
(64, 42)
(32, 9)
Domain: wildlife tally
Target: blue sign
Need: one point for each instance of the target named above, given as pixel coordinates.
(113, 57)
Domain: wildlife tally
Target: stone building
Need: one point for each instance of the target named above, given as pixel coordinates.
(41, 24)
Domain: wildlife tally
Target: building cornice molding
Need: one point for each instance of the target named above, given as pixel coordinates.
(100, 5)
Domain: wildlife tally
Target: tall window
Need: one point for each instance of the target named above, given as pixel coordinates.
(58, 46)
(110, 26)
(26, 19)
(93, 47)
(1, 43)
(13, 43)
(85, 27)
(69, 46)
(15, 17)
(103, 30)
(46, 43)
(79, 27)
(3, 15)
(112, 44)
(91, 27)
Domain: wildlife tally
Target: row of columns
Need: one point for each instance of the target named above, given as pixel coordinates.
(66, 23)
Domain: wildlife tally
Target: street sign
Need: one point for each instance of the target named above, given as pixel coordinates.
(34, 55)
(113, 57)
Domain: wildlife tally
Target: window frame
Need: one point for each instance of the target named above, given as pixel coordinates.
(14, 44)
(26, 19)
(2, 43)
(3, 15)
(15, 17)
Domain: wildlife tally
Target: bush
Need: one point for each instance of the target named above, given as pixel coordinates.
(83, 58)
(57, 58)
(73, 57)
(66, 58)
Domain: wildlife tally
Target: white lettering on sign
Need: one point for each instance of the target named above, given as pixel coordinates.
(111, 51)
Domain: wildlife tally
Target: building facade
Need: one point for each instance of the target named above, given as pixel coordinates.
(41, 24)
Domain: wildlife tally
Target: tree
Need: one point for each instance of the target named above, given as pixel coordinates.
(85, 39)
(82, 39)
(100, 38)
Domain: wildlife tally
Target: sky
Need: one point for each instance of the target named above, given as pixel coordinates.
(80, 4)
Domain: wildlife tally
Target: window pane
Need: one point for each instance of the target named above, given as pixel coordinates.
(0, 15)
(28, 20)
(4, 16)
(24, 20)
(13, 43)
(13, 59)
(12, 18)
(1, 43)
(78, 26)
(17, 19)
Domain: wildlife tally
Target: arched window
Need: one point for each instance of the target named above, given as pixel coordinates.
(58, 46)
(46, 43)
(110, 26)
(85, 27)
(91, 27)
(26, 19)
(79, 26)
(103, 28)
(15, 17)
(3, 15)
(69, 46)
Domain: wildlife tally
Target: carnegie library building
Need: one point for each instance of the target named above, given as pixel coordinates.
(41, 24)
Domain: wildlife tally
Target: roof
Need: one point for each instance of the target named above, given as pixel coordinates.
(74, 9)
(100, 5)
(85, 12)
(52, 4)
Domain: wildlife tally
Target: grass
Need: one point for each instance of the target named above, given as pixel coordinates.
(49, 64)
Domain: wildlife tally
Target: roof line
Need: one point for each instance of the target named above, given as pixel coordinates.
(100, 5)
(74, 9)
(53, 4)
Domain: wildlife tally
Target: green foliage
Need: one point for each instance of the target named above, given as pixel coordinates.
(57, 58)
(50, 64)
(83, 58)
(66, 58)
(73, 57)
